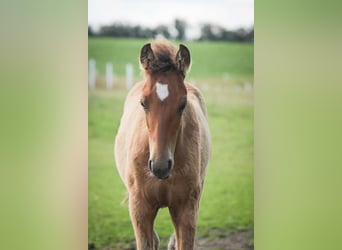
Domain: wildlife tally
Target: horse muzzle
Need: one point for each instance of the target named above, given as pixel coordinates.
(160, 168)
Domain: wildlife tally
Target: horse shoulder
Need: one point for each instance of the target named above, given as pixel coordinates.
(127, 144)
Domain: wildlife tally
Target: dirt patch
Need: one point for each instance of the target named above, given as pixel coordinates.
(223, 240)
(215, 240)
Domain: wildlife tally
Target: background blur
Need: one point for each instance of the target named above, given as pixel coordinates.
(222, 54)
(44, 124)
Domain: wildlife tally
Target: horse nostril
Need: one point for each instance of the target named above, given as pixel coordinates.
(150, 165)
(169, 162)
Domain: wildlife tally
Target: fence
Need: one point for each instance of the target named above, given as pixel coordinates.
(110, 76)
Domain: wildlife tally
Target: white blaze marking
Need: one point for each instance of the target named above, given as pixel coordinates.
(162, 91)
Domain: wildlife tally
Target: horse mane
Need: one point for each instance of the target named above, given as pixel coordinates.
(165, 57)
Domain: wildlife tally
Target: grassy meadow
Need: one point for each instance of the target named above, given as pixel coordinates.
(224, 73)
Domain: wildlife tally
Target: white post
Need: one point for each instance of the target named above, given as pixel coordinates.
(248, 87)
(129, 76)
(109, 75)
(92, 73)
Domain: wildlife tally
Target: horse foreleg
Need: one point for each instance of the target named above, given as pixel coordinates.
(142, 217)
(155, 240)
(172, 242)
(184, 218)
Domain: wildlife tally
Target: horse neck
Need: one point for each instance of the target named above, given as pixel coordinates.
(188, 130)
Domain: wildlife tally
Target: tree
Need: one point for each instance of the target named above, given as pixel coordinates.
(90, 31)
(180, 26)
(206, 32)
(250, 36)
(163, 30)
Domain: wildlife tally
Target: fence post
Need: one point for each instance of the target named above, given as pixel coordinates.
(129, 76)
(109, 75)
(92, 73)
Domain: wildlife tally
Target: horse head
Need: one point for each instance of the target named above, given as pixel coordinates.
(164, 99)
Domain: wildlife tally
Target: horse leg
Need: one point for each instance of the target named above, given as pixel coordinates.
(155, 240)
(172, 242)
(142, 217)
(184, 218)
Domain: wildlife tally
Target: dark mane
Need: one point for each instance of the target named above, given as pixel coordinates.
(165, 57)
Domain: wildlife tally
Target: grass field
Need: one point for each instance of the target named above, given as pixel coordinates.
(221, 70)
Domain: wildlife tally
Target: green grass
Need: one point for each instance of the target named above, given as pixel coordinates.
(211, 59)
(227, 200)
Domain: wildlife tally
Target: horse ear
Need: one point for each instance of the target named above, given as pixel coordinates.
(183, 59)
(146, 56)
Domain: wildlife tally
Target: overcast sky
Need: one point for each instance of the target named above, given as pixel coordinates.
(230, 14)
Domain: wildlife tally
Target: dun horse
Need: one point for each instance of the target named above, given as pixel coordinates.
(163, 146)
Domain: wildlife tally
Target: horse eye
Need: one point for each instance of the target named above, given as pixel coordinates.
(143, 104)
(182, 106)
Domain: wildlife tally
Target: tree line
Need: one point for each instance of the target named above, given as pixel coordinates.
(208, 32)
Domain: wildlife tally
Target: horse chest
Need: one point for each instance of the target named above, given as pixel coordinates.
(167, 192)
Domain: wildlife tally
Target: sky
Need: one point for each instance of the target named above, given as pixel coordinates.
(230, 14)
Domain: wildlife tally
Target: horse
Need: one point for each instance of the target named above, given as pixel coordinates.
(163, 146)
